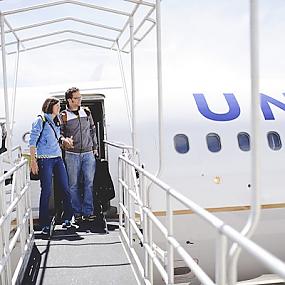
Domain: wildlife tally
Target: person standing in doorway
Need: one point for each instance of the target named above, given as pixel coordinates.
(80, 160)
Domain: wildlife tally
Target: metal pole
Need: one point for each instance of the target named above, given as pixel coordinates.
(149, 237)
(77, 3)
(145, 229)
(124, 86)
(120, 186)
(15, 87)
(134, 144)
(125, 175)
(170, 252)
(159, 83)
(130, 205)
(253, 219)
(221, 262)
(99, 140)
(5, 87)
(27, 177)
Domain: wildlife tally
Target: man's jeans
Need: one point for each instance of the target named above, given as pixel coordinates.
(81, 170)
(47, 167)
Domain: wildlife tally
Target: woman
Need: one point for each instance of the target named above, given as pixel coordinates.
(46, 158)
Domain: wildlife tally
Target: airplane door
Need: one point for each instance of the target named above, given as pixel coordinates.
(97, 110)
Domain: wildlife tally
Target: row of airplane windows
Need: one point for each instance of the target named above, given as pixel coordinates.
(181, 142)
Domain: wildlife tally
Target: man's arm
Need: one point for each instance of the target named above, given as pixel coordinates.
(93, 133)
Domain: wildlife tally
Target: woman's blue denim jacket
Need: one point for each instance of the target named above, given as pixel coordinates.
(47, 145)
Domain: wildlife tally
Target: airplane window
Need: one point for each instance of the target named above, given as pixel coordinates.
(274, 140)
(181, 143)
(244, 141)
(213, 142)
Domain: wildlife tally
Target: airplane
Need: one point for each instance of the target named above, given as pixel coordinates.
(206, 157)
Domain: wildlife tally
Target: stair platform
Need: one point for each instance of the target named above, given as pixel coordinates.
(85, 257)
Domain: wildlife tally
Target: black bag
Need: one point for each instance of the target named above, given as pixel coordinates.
(103, 184)
(34, 176)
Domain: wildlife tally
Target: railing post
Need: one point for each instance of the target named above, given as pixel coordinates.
(27, 181)
(170, 252)
(145, 228)
(221, 256)
(149, 231)
(120, 186)
(2, 211)
(19, 208)
(130, 187)
(5, 230)
(126, 198)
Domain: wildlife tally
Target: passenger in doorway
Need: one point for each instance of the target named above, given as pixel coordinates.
(80, 160)
(46, 159)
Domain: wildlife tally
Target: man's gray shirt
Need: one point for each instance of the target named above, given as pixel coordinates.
(80, 125)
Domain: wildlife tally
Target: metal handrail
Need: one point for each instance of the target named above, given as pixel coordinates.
(225, 232)
(23, 235)
(118, 145)
(5, 158)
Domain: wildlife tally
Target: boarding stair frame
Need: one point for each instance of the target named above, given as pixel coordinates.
(134, 192)
(16, 221)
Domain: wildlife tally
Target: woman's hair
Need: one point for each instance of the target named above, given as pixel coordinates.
(48, 105)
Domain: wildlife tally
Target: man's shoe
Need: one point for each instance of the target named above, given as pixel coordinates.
(66, 224)
(77, 219)
(89, 218)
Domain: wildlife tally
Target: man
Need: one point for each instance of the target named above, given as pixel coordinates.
(77, 123)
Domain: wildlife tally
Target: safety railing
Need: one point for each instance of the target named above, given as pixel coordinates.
(16, 156)
(126, 150)
(16, 222)
(133, 191)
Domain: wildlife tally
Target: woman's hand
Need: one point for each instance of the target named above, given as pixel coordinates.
(34, 166)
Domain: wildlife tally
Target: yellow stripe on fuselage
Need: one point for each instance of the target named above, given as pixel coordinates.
(221, 209)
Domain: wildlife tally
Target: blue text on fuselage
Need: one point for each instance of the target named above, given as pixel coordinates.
(234, 108)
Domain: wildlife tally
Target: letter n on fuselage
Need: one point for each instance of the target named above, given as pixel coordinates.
(266, 110)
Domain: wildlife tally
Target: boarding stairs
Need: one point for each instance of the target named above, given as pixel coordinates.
(90, 257)
(70, 257)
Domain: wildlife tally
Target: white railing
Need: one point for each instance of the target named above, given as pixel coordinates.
(134, 191)
(16, 222)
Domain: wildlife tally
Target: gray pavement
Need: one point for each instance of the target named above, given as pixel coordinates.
(71, 257)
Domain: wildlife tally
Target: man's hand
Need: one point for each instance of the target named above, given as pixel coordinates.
(67, 142)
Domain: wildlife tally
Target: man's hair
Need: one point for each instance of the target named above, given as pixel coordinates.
(69, 93)
(48, 105)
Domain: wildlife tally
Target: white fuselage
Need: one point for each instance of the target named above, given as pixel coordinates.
(219, 181)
